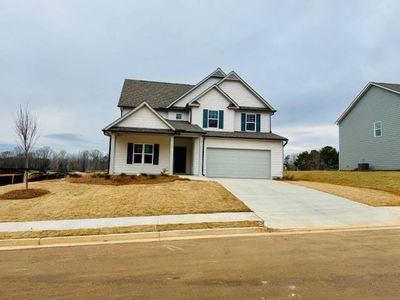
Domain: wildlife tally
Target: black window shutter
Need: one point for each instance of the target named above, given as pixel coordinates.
(156, 154)
(258, 122)
(205, 118)
(129, 153)
(221, 119)
(243, 125)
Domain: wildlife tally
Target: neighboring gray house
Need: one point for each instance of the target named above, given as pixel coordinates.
(369, 129)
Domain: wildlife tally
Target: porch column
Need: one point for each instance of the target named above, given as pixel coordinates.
(171, 155)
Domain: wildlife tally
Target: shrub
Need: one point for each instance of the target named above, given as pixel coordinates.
(151, 176)
(143, 174)
(122, 174)
(133, 177)
(107, 176)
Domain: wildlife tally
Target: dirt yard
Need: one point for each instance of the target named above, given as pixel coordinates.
(69, 200)
(372, 188)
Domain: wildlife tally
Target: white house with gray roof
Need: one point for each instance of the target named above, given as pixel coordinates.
(369, 129)
(220, 127)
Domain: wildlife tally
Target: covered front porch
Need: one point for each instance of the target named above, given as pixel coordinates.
(154, 153)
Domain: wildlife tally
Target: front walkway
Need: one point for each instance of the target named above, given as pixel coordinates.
(285, 206)
(127, 221)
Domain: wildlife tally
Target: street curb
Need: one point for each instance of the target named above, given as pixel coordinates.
(160, 236)
(30, 243)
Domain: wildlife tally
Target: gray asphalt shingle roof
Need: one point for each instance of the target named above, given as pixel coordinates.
(246, 135)
(157, 94)
(185, 126)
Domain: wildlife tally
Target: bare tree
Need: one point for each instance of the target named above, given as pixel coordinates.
(27, 132)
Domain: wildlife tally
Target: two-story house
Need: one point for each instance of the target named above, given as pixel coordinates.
(369, 129)
(220, 127)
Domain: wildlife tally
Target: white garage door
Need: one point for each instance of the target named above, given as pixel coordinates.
(241, 163)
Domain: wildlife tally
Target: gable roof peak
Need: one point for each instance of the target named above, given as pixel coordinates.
(218, 73)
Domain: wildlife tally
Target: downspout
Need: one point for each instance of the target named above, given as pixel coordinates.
(109, 155)
(202, 157)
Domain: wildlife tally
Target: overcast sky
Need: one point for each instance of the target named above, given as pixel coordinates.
(309, 59)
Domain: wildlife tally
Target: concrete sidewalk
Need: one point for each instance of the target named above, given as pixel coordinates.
(127, 221)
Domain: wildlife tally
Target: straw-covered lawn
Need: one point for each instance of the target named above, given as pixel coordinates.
(373, 188)
(68, 200)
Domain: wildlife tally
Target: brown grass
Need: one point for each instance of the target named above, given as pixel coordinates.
(23, 194)
(362, 195)
(388, 181)
(127, 229)
(68, 200)
(375, 188)
(124, 179)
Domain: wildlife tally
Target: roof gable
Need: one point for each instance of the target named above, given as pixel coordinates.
(233, 76)
(143, 116)
(195, 100)
(218, 74)
(391, 87)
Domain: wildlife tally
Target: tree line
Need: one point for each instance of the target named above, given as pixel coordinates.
(46, 159)
(327, 158)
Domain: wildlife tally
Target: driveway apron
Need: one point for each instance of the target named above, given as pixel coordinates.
(286, 206)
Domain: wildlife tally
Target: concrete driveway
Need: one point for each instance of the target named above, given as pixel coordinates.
(286, 206)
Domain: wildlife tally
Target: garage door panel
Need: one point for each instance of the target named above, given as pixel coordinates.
(244, 163)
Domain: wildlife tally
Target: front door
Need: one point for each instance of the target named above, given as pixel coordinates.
(179, 159)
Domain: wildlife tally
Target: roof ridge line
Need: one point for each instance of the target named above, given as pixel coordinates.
(154, 81)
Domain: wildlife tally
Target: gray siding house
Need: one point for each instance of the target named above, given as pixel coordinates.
(369, 129)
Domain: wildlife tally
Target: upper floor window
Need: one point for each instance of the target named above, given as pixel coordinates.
(377, 129)
(213, 118)
(179, 116)
(251, 122)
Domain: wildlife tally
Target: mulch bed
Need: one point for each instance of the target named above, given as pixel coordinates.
(124, 179)
(23, 194)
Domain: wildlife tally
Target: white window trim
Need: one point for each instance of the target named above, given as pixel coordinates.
(143, 154)
(255, 121)
(217, 118)
(178, 114)
(380, 128)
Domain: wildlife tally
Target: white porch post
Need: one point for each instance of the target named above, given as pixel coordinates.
(171, 155)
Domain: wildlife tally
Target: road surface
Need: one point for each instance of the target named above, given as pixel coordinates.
(340, 265)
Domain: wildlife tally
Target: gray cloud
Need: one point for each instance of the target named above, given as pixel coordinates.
(308, 58)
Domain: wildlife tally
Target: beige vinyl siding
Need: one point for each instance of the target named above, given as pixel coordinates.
(119, 164)
(357, 142)
(213, 100)
(171, 115)
(197, 91)
(238, 92)
(143, 118)
(265, 120)
(275, 147)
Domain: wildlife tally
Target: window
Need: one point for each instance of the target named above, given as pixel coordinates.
(213, 118)
(179, 116)
(377, 129)
(250, 122)
(143, 153)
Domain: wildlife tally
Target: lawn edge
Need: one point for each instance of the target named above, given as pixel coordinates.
(119, 238)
